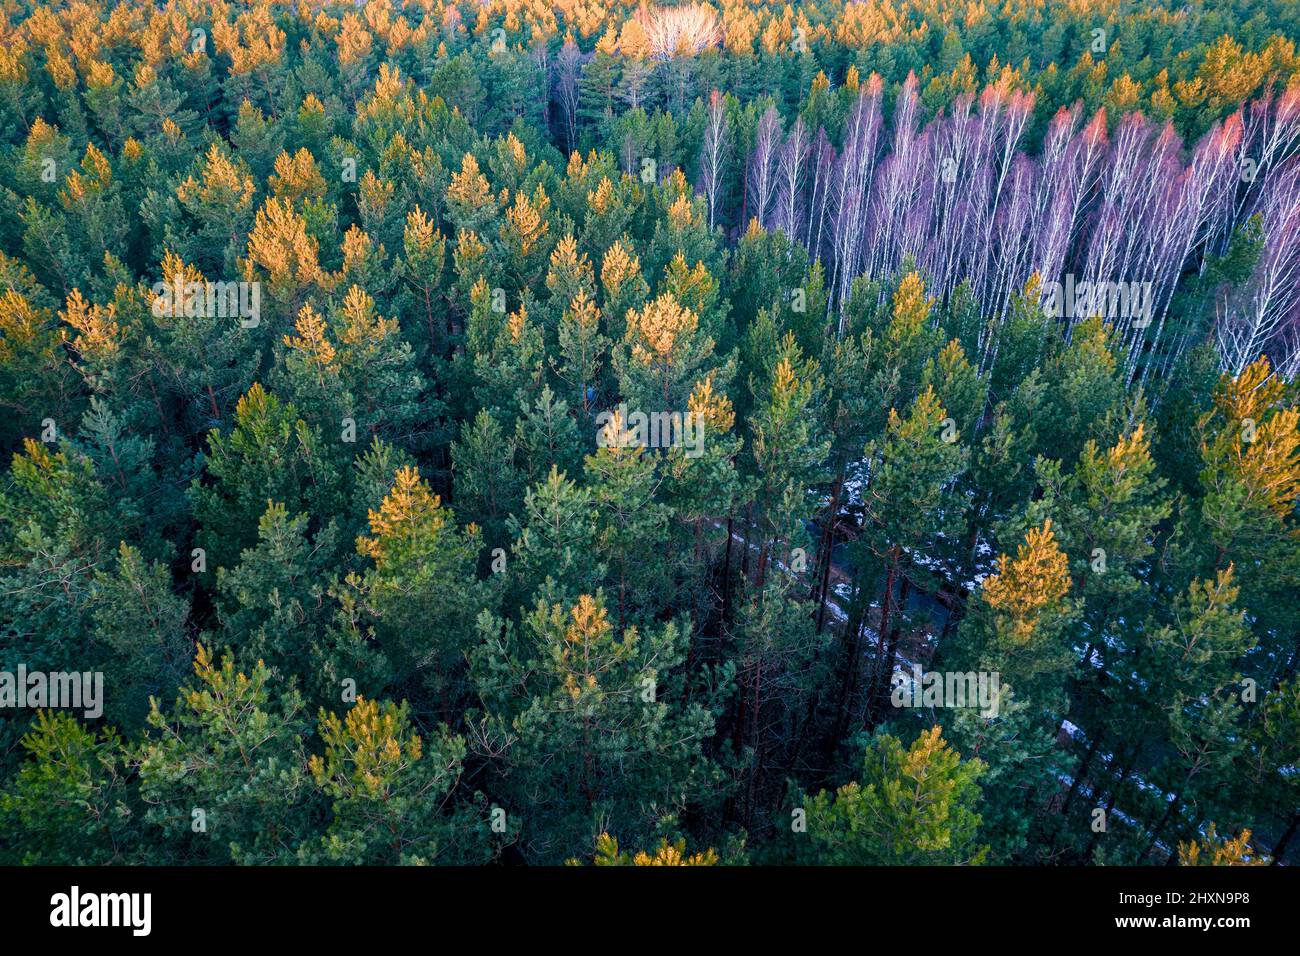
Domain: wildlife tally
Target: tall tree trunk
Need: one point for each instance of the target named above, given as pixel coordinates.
(1081, 773)
(1110, 801)
(821, 589)
(726, 573)
(826, 548)
(886, 602)
(1160, 827)
(756, 744)
(885, 676)
(1280, 847)
(744, 551)
(853, 643)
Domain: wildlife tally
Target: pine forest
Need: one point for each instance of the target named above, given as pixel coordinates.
(464, 432)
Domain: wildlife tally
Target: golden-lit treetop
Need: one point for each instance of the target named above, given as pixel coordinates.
(96, 326)
(310, 338)
(297, 177)
(280, 244)
(665, 854)
(1037, 577)
(469, 187)
(409, 511)
(653, 330)
(526, 220)
(221, 184)
(1214, 850)
(714, 407)
(618, 266)
(1254, 438)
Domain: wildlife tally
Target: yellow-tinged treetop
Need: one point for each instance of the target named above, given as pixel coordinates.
(911, 307)
(1213, 850)
(666, 854)
(714, 407)
(367, 746)
(1037, 577)
(618, 266)
(310, 338)
(655, 329)
(410, 509)
(1256, 437)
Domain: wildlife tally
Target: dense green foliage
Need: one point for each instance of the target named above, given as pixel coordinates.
(373, 575)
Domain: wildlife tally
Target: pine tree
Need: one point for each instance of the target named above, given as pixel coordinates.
(908, 508)
(1106, 515)
(914, 805)
(275, 604)
(554, 550)
(207, 363)
(597, 728)
(470, 203)
(146, 484)
(377, 370)
(547, 437)
(1084, 387)
(583, 352)
(57, 524)
(526, 239)
(217, 207)
(1019, 625)
(488, 486)
(36, 382)
(623, 286)
(422, 268)
(508, 357)
(703, 487)
(1250, 481)
(422, 591)
(783, 663)
(1023, 767)
(665, 854)
(281, 249)
(389, 789)
(224, 775)
(270, 455)
(1214, 850)
(633, 525)
(1191, 664)
(70, 802)
(664, 354)
(786, 450)
(143, 629)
